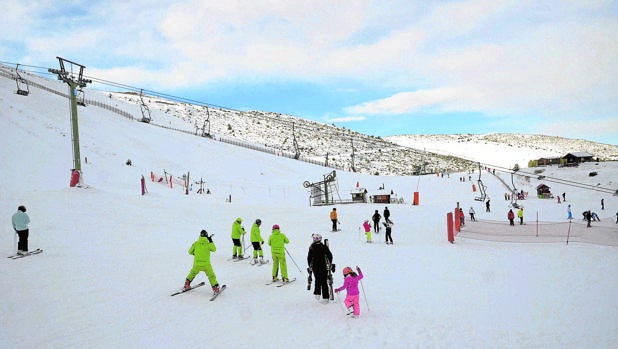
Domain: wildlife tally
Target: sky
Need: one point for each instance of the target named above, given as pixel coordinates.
(412, 67)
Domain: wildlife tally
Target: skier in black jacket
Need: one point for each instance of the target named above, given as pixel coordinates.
(376, 221)
(318, 257)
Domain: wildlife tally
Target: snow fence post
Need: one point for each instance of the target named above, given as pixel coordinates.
(457, 219)
(449, 227)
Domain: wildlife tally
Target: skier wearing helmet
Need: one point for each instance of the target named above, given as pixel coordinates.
(257, 241)
(200, 250)
(277, 241)
(319, 260)
(237, 232)
(350, 284)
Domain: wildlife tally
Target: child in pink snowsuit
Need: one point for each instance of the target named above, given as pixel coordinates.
(350, 283)
(367, 228)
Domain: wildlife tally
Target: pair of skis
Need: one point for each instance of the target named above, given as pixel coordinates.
(221, 289)
(237, 259)
(26, 254)
(258, 263)
(282, 283)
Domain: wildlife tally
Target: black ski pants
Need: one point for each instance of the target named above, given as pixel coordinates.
(388, 235)
(22, 244)
(321, 284)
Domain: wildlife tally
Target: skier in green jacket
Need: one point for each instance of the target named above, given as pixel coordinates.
(277, 241)
(237, 232)
(257, 241)
(201, 260)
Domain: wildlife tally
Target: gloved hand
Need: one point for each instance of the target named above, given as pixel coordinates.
(262, 243)
(209, 238)
(332, 268)
(358, 269)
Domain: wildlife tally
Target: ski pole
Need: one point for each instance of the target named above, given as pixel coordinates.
(243, 243)
(248, 248)
(286, 250)
(364, 295)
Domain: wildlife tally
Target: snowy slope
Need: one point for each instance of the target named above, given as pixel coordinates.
(505, 150)
(112, 256)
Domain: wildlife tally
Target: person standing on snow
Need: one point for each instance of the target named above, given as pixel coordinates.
(387, 215)
(367, 228)
(569, 213)
(487, 209)
(319, 258)
(350, 284)
(520, 215)
(511, 217)
(277, 241)
(237, 232)
(472, 214)
(462, 217)
(334, 218)
(376, 221)
(257, 242)
(388, 226)
(200, 250)
(20, 220)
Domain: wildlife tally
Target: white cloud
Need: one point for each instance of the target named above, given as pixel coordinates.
(501, 57)
(410, 102)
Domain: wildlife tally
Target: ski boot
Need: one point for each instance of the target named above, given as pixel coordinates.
(275, 278)
(286, 280)
(254, 261)
(187, 285)
(215, 288)
(262, 261)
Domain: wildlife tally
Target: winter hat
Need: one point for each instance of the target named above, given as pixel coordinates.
(347, 270)
(239, 220)
(316, 237)
(258, 221)
(204, 233)
(22, 208)
(276, 227)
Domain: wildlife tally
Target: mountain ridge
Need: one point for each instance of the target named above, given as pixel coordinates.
(329, 145)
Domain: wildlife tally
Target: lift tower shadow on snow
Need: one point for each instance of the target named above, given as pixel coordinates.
(74, 83)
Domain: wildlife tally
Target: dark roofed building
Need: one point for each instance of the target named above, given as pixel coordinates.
(548, 161)
(577, 157)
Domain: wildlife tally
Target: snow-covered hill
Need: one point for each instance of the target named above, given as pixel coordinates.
(505, 149)
(113, 256)
(334, 146)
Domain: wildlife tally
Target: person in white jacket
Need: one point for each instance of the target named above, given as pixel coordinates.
(20, 222)
(472, 219)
